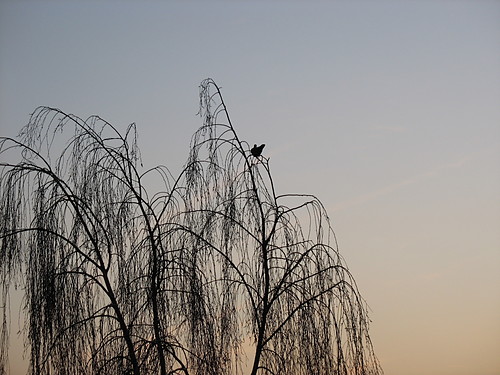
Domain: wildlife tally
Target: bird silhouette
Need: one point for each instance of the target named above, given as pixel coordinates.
(256, 151)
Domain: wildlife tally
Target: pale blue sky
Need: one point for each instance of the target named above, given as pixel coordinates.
(388, 111)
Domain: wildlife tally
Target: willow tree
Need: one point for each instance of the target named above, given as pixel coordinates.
(216, 273)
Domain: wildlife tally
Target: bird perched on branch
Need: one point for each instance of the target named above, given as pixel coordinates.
(256, 151)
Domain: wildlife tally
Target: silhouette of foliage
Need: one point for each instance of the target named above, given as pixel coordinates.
(216, 273)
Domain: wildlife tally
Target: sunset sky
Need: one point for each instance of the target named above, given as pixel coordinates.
(388, 111)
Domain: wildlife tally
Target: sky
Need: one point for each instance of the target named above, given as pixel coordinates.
(388, 111)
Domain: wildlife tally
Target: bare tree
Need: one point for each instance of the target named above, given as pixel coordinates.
(214, 271)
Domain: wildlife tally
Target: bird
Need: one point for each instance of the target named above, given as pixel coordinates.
(256, 151)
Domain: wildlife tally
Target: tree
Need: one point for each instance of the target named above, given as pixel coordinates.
(213, 271)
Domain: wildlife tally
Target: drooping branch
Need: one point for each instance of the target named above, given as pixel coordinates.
(290, 275)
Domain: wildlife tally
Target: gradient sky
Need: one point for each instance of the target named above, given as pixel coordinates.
(388, 111)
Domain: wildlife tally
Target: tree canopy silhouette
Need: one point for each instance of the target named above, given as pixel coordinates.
(216, 273)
